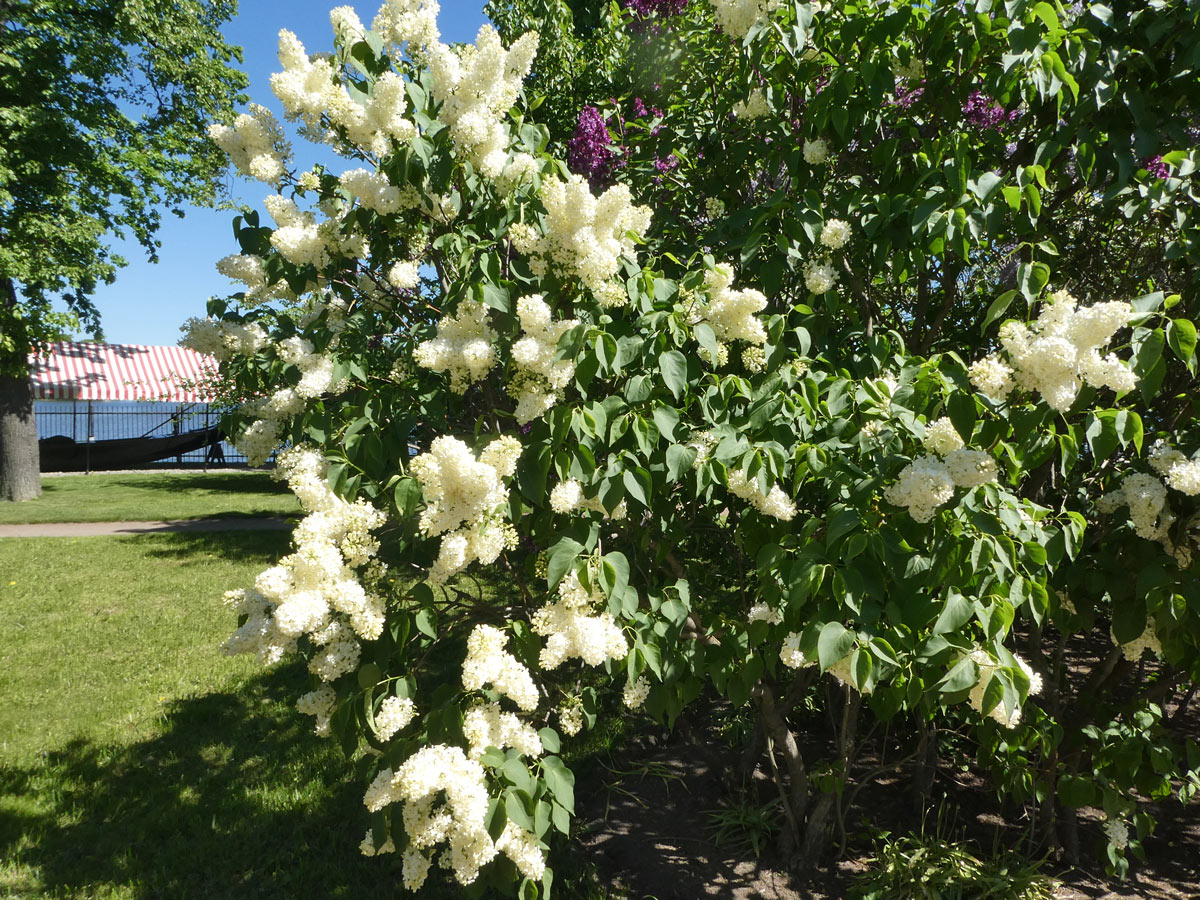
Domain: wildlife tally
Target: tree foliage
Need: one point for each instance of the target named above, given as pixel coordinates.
(106, 106)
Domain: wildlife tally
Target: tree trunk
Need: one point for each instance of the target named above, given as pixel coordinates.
(20, 477)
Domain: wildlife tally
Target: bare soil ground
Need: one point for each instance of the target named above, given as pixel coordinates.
(647, 827)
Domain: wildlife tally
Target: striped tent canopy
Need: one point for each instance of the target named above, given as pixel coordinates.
(82, 371)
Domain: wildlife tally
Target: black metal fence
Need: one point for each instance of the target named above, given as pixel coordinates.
(102, 420)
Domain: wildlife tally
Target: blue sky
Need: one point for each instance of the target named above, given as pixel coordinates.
(148, 303)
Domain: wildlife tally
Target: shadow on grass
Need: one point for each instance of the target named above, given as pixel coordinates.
(216, 481)
(261, 547)
(237, 798)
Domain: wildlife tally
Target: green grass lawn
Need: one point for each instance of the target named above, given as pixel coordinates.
(135, 760)
(153, 495)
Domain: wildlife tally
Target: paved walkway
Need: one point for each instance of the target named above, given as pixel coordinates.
(91, 529)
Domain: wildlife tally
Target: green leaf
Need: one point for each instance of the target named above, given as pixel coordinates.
(955, 614)
(673, 367)
(998, 308)
(833, 643)
(1032, 278)
(679, 460)
(426, 620)
(1181, 337)
(559, 559)
(964, 676)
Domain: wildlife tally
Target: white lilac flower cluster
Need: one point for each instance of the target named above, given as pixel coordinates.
(316, 369)
(586, 235)
(790, 653)
(636, 692)
(753, 106)
(445, 801)
(570, 717)
(299, 238)
(488, 662)
(404, 275)
(310, 90)
(539, 377)
(762, 612)
(731, 314)
(737, 17)
(567, 496)
(987, 668)
(1146, 497)
(1147, 640)
(463, 346)
(774, 503)
(374, 191)
(928, 482)
(412, 22)
(487, 725)
(912, 71)
(815, 151)
(250, 270)
(1058, 353)
(820, 275)
(714, 207)
(1117, 833)
(834, 234)
(314, 591)
(573, 629)
(703, 442)
(466, 501)
(221, 339)
(1179, 472)
(255, 144)
(476, 85)
(395, 714)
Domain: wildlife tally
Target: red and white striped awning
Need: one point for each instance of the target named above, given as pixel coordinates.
(82, 371)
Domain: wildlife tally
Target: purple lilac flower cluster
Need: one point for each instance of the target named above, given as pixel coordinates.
(983, 113)
(906, 96)
(589, 150)
(661, 8)
(1156, 167)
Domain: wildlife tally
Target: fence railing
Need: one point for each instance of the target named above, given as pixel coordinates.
(84, 420)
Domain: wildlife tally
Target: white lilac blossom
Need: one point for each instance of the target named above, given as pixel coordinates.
(411, 22)
(311, 91)
(1058, 353)
(255, 145)
(395, 714)
(774, 503)
(987, 669)
(487, 725)
(476, 85)
(1146, 497)
(754, 359)
(444, 800)
(586, 235)
(1179, 472)
(714, 207)
(941, 437)
(730, 313)
(404, 276)
(566, 496)
(737, 17)
(575, 630)
(815, 152)
(315, 591)
(820, 275)
(835, 233)
(488, 662)
(463, 347)
(761, 612)
(753, 107)
(924, 485)
(223, 340)
(466, 501)
(790, 653)
(636, 692)
(539, 376)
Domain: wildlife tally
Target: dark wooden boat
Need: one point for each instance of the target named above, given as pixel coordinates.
(62, 454)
